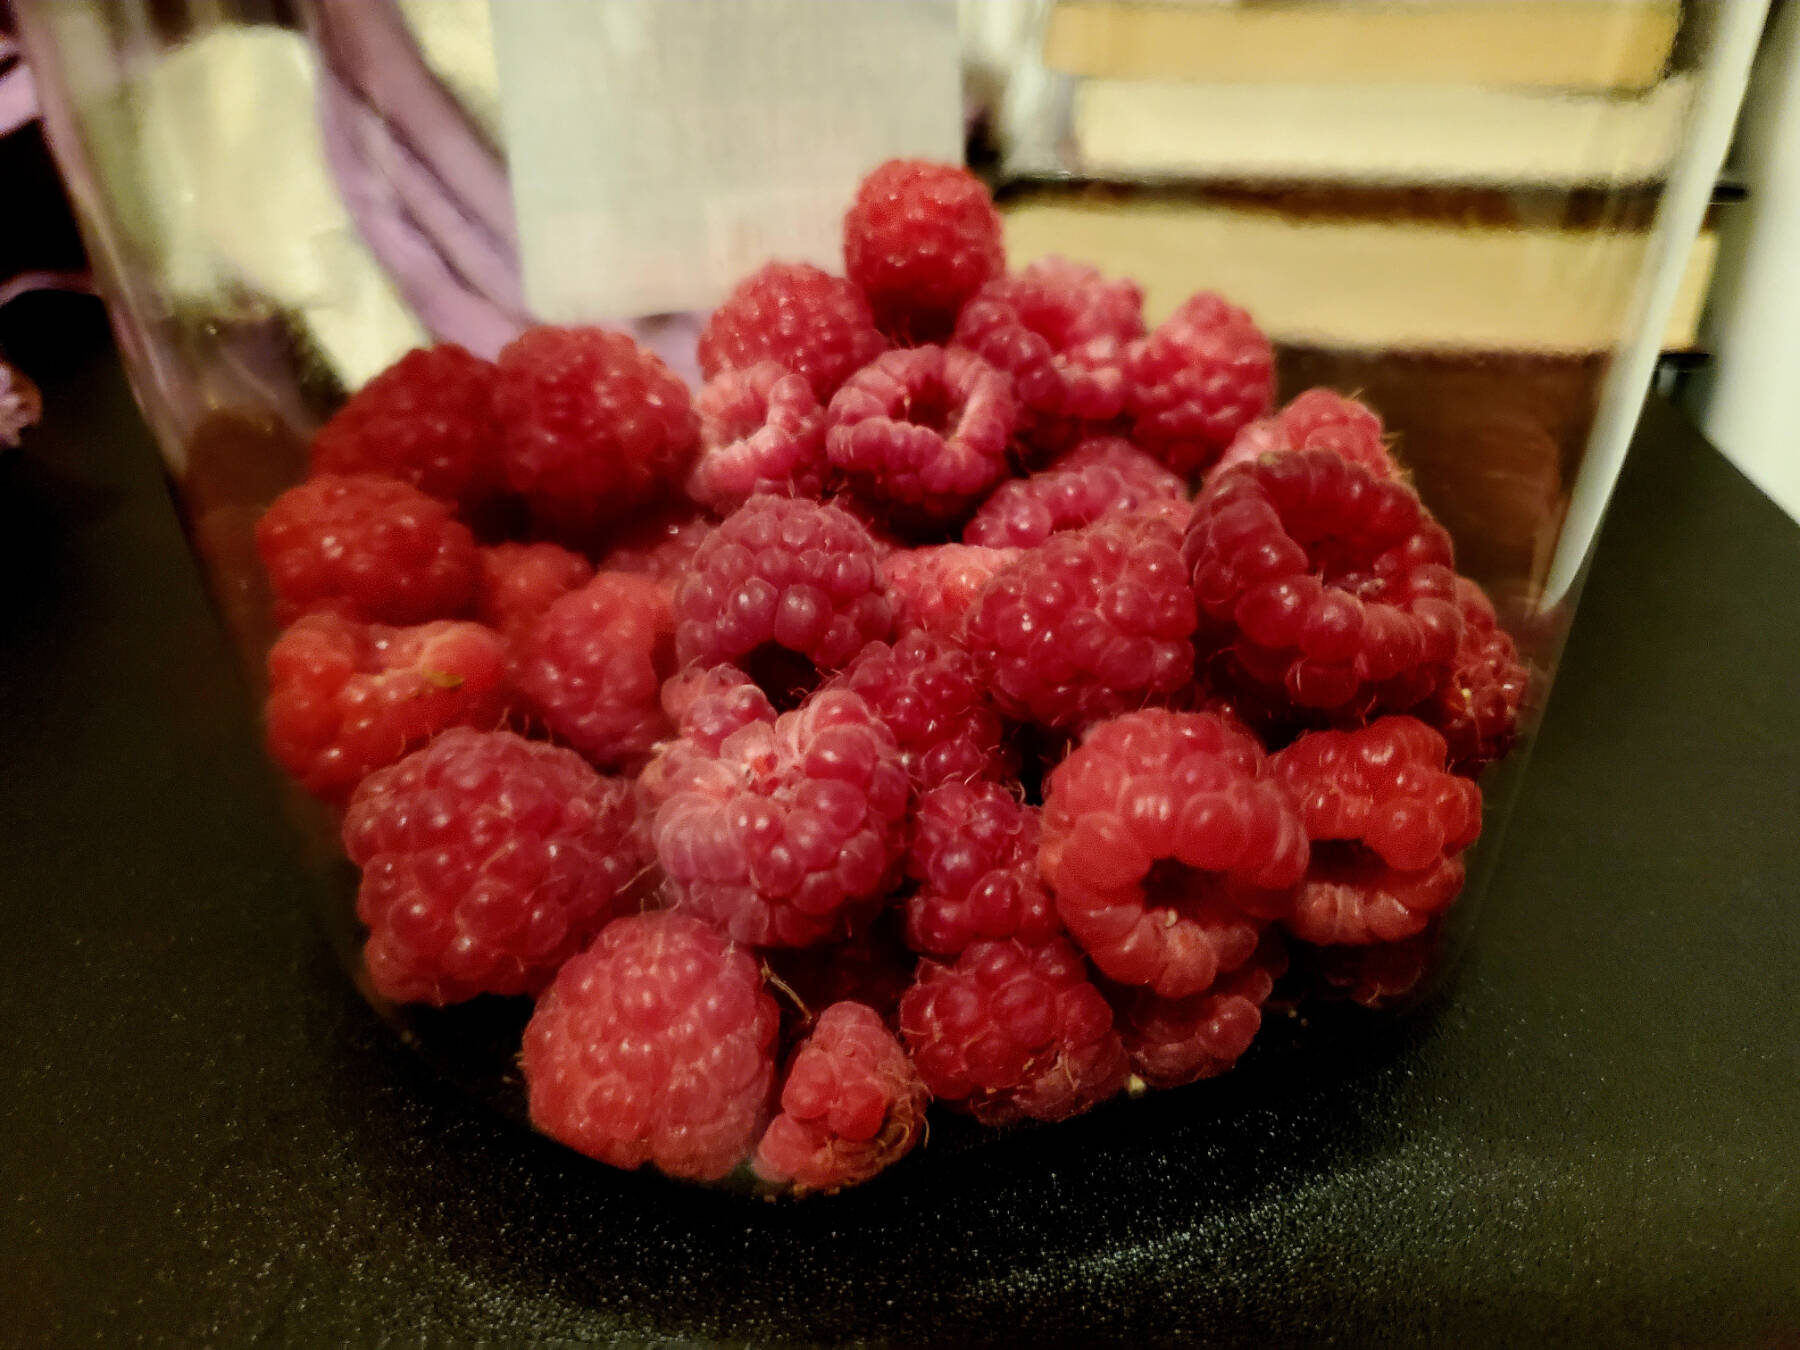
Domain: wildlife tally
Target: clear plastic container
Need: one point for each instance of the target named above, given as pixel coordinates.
(1482, 220)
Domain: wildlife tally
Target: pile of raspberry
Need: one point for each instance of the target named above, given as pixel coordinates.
(969, 694)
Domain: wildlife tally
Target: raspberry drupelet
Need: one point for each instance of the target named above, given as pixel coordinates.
(1324, 581)
(1102, 477)
(934, 586)
(488, 860)
(655, 1045)
(1010, 1031)
(1200, 377)
(761, 430)
(920, 239)
(974, 855)
(1319, 419)
(1168, 845)
(1388, 824)
(922, 434)
(851, 1104)
(805, 320)
(1175, 1041)
(368, 548)
(518, 582)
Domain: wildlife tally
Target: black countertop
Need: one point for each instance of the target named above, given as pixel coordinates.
(206, 1136)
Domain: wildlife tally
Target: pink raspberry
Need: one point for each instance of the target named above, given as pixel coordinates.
(804, 320)
(1102, 477)
(1319, 419)
(761, 430)
(592, 667)
(661, 545)
(790, 832)
(1476, 710)
(922, 433)
(920, 239)
(1166, 841)
(708, 705)
(1325, 581)
(1380, 974)
(785, 588)
(974, 854)
(873, 968)
(1011, 1031)
(519, 582)
(347, 698)
(1176, 1041)
(933, 587)
(594, 425)
(1203, 374)
(1095, 621)
(368, 548)
(851, 1104)
(1388, 824)
(655, 1045)
(1063, 333)
(428, 420)
(488, 860)
(928, 693)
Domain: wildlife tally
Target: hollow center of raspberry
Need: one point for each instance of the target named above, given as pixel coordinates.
(932, 407)
(1172, 885)
(1346, 862)
(784, 675)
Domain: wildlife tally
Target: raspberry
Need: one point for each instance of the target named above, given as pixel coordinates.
(785, 588)
(1205, 372)
(1380, 974)
(347, 698)
(488, 860)
(518, 582)
(873, 968)
(789, 833)
(1477, 708)
(1325, 581)
(974, 854)
(708, 705)
(655, 1045)
(1102, 477)
(920, 239)
(928, 693)
(1063, 333)
(662, 545)
(933, 587)
(594, 425)
(1011, 1031)
(1319, 419)
(1095, 621)
(761, 430)
(1388, 824)
(1175, 1041)
(1164, 835)
(851, 1104)
(804, 320)
(428, 420)
(922, 433)
(368, 548)
(593, 664)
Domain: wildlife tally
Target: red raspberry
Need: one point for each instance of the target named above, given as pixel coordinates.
(594, 425)
(368, 548)
(1175, 1041)
(488, 860)
(593, 664)
(1319, 419)
(1102, 477)
(920, 239)
(804, 320)
(1164, 835)
(520, 581)
(761, 430)
(785, 588)
(873, 968)
(428, 420)
(347, 698)
(1325, 581)
(933, 587)
(662, 545)
(1095, 621)
(922, 433)
(1063, 333)
(851, 1104)
(1380, 974)
(1388, 825)
(1205, 372)
(974, 854)
(708, 705)
(929, 694)
(1012, 1031)
(655, 1045)
(1477, 708)
(788, 833)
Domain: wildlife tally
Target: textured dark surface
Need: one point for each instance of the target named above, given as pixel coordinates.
(205, 1135)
